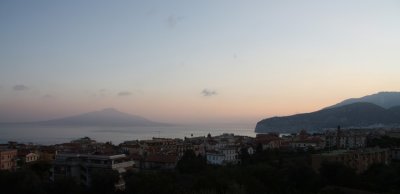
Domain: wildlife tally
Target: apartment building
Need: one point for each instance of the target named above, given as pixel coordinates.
(82, 166)
(345, 139)
(360, 159)
(8, 159)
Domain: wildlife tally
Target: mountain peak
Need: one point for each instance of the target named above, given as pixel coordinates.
(383, 99)
(104, 117)
(379, 109)
(109, 110)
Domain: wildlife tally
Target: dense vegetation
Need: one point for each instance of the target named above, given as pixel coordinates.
(264, 172)
(384, 142)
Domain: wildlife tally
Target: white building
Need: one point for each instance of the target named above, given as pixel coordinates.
(215, 158)
(31, 157)
(223, 156)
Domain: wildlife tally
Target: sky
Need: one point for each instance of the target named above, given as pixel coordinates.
(194, 61)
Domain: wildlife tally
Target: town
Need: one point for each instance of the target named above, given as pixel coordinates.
(356, 149)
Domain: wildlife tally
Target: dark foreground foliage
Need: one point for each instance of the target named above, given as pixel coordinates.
(264, 172)
(384, 142)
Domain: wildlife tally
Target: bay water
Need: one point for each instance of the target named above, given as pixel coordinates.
(47, 135)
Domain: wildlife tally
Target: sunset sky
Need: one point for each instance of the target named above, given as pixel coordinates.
(194, 61)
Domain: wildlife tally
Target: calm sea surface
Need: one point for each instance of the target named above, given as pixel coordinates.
(52, 135)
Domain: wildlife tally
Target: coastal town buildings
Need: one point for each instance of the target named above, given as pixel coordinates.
(8, 159)
(269, 141)
(345, 139)
(306, 141)
(360, 159)
(72, 158)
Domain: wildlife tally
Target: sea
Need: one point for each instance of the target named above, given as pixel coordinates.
(48, 135)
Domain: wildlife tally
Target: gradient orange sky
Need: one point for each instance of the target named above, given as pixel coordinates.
(194, 62)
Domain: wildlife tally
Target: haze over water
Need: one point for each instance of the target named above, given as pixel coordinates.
(54, 135)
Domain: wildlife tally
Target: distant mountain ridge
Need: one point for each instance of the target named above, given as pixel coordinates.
(383, 99)
(381, 109)
(105, 117)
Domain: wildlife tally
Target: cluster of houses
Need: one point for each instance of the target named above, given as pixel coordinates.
(15, 155)
(79, 158)
(164, 153)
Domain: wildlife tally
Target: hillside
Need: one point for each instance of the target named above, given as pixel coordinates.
(382, 99)
(353, 115)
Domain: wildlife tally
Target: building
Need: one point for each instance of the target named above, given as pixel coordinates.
(223, 156)
(47, 153)
(306, 144)
(31, 157)
(345, 139)
(303, 144)
(81, 166)
(215, 157)
(360, 159)
(268, 141)
(27, 156)
(395, 154)
(8, 159)
(138, 160)
(132, 149)
(198, 148)
(160, 162)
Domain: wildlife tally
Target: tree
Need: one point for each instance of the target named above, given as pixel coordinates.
(382, 178)
(65, 185)
(245, 157)
(190, 163)
(384, 142)
(21, 181)
(151, 183)
(42, 169)
(334, 173)
(302, 177)
(103, 181)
